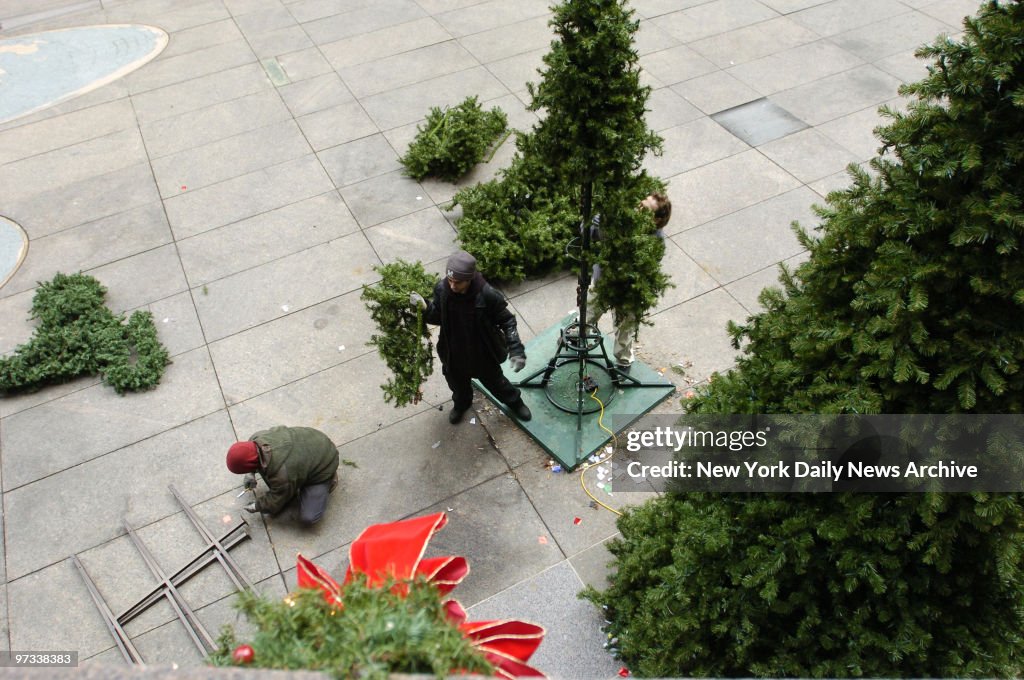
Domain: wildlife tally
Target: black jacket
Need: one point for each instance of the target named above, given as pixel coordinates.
(496, 325)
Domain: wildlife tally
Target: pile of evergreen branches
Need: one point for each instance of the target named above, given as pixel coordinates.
(453, 140)
(78, 335)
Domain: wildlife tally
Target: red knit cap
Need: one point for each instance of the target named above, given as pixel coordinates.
(243, 457)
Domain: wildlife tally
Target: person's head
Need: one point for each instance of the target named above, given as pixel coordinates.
(460, 270)
(660, 207)
(243, 457)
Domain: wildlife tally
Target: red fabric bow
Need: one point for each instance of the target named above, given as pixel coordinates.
(394, 551)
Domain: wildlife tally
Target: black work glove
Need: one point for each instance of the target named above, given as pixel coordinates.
(249, 482)
(517, 362)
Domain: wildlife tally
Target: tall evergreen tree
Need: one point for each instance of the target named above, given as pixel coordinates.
(593, 131)
(911, 302)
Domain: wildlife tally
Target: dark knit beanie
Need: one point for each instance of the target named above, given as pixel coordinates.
(243, 457)
(461, 266)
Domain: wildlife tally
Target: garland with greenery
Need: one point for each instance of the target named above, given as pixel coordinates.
(378, 631)
(521, 223)
(451, 141)
(403, 339)
(78, 335)
(911, 302)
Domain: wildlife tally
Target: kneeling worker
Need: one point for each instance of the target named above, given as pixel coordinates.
(293, 461)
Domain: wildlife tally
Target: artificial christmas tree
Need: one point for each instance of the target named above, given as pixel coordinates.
(911, 302)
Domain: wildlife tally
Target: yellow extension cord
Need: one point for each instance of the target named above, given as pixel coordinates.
(615, 442)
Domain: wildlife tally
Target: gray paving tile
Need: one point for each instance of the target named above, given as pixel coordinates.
(334, 401)
(102, 95)
(85, 425)
(236, 199)
(364, 199)
(796, 66)
(837, 16)
(293, 282)
(171, 17)
(649, 38)
(52, 170)
(654, 8)
(83, 201)
(425, 235)
(336, 125)
(487, 15)
(204, 126)
(711, 18)
(855, 132)
(198, 37)
(177, 324)
(675, 64)
(66, 130)
(753, 42)
(410, 67)
(409, 477)
(304, 64)
(140, 279)
(265, 20)
(281, 41)
(687, 277)
(692, 145)
(751, 239)
(259, 239)
(91, 245)
(315, 94)
(413, 102)
(905, 66)
(363, 19)
(239, 7)
(507, 41)
(951, 12)
(546, 305)
(693, 332)
(515, 72)
(715, 92)
(790, 6)
(385, 42)
(310, 10)
(200, 93)
(573, 640)
(746, 290)
(838, 95)
(230, 157)
(486, 539)
(314, 339)
(592, 564)
(359, 160)
(836, 182)
(187, 66)
(439, 6)
(891, 35)
(808, 155)
(741, 180)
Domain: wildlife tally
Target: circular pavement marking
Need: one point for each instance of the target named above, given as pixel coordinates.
(40, 69)
(13, 244)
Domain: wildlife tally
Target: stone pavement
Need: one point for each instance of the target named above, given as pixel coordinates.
(242, 186)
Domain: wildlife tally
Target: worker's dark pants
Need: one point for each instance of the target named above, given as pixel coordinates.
(490, 376)
(313, 502)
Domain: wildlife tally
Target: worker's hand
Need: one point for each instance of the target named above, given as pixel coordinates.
(249, 482)
(416, 301)
(250, 508)
(517, 362)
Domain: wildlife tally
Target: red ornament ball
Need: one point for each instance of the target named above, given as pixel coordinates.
(243, 654)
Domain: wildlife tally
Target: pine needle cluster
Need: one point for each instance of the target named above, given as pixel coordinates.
(452, 140)
(78, 335)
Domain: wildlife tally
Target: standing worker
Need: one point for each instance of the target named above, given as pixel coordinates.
(294, 462)
(478, 332)
(626, 325)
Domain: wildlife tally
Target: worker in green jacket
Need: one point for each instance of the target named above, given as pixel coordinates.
(294, 462)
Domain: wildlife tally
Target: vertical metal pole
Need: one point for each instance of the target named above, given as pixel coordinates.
(584, 285)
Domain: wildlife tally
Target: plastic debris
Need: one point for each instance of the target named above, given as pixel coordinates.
(435, 444)
(577, 521)
(472, 421)
(543, 540)
(419, 198)
(556, 468)
(451, 509)
(284, 308)
(624, 672)
(609, 449)
(602, 470)
(341, 348)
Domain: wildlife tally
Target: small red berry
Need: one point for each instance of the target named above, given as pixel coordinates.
(243, 654)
